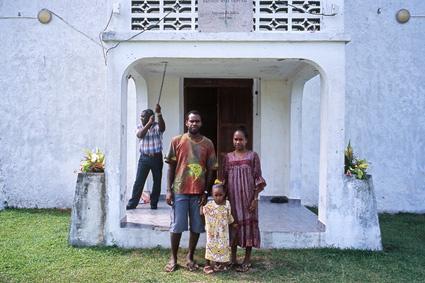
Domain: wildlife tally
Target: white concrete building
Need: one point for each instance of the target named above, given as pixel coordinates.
(310, 84)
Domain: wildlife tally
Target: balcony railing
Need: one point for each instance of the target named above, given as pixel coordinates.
(268, 15)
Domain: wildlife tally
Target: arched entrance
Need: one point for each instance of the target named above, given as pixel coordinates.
(274, 89)
(275, 73)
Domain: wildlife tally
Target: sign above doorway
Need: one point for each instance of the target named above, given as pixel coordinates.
(225, 15)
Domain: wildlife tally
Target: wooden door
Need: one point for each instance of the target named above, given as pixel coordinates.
(204, 100)
(224, 104)
(235, 109)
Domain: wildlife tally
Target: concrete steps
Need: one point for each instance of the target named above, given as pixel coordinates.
(288, 225)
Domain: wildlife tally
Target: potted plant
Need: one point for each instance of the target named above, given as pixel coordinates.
(88, 210)
(93, 161)
(354, 166)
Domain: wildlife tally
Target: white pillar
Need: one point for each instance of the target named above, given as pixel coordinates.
(132, 117)
(141, 103)
(295, 168)
(296, 139)
(116, 146)
(332, 140)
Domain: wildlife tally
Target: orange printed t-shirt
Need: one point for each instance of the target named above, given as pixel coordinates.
(192, 160)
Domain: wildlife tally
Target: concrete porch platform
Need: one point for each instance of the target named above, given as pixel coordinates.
(288, 225)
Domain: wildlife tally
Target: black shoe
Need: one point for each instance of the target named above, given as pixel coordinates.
(128, 207)
(154, 207)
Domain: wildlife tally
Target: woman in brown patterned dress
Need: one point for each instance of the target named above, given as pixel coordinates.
(242, 177)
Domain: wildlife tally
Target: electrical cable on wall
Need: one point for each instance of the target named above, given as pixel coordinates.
(100, 36)
(105, 50)
(100, 43)
(148, 28)
(10, 18)
(63, 20)
(74, 28)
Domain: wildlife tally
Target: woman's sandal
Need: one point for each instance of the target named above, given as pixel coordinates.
(208, 269)
(244, 267)
(192, 266)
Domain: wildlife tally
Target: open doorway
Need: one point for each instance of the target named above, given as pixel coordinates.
(224, 105)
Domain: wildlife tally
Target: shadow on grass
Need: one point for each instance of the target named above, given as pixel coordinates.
(47, 211)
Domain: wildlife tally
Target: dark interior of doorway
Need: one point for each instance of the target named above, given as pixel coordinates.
(224, 104)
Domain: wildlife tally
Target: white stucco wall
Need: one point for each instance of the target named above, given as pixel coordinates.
(384, 99)
(52, 87)
(385, 90)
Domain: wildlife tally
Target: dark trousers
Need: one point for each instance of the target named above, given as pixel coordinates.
(146, 164)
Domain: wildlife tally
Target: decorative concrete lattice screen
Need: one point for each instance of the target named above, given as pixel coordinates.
(269, 15)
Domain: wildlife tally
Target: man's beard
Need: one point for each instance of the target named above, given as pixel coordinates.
(194, 131)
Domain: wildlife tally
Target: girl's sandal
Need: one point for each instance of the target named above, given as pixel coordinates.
(208, 269)
(220, 267)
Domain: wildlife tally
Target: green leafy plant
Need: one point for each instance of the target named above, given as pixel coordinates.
(353, 165)
(94, 161)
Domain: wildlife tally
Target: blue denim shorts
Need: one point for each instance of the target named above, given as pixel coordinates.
(186, 207)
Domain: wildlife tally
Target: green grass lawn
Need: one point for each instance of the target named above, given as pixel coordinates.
(34, 248)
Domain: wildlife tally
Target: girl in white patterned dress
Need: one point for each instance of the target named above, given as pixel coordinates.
(218, 217)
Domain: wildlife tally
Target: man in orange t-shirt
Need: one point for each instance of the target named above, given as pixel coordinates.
(192, 162)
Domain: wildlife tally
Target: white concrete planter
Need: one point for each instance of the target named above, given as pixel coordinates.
(2, 202)
(359, 225)
(88, 210)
